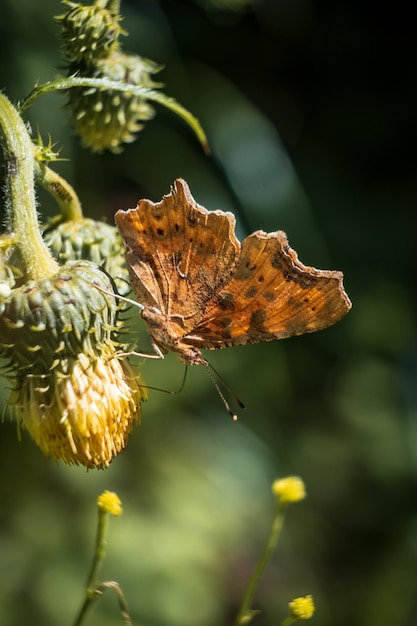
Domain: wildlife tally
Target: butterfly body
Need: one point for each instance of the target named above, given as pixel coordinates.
(167, 335)
(201, 289)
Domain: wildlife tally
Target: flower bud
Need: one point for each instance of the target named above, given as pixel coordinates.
(110, 502)
(77, 398)
(105, 119)
(289, 489)
(302, 608)
(92, 240)
(89, 32)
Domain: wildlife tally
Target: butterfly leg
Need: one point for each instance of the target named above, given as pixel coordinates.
(158, 353)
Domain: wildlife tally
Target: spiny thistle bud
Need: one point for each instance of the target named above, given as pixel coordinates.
(89, 32)
(92, 240)
(105, 119)
(76, 397)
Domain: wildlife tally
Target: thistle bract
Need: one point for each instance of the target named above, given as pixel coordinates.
(92, 240)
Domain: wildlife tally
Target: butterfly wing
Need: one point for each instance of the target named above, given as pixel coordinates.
(178, 254)
(270, 295)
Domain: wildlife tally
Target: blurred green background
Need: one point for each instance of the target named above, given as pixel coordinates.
(309, 109)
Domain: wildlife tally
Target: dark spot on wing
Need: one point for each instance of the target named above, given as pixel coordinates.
(270, 296)
(226, 301)
(160, 232)
(295, 303)
(276, 261)
(256, 322)
(291, 273)
(244, 272)
(251, 292)
(226, 324)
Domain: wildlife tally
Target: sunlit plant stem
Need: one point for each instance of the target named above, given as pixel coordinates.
(20, 202)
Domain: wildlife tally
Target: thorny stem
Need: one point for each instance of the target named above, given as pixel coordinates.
(20, 204)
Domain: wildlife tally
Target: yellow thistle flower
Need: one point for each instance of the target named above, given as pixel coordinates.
(289, 489)
(302, 608)
(76, 397)
(110, 502)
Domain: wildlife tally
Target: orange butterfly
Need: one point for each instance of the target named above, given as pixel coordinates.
(198, 287)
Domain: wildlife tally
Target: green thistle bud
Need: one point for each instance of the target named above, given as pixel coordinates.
(92, 240)
(89, 33)
(105, 119)
(76, 397)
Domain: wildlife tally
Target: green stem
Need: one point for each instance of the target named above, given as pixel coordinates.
(21, 216)
(134, 90)
(270, 545)
(100, 549)
(61, 190)
(92, 591)
(122, 601)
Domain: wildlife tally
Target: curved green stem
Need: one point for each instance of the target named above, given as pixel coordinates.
(134, 90)
(245, 614)
(122, 601)
(61, 190)
(21, 216)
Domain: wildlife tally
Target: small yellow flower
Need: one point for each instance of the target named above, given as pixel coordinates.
(110, 502)
(289, 489)
(302, 608)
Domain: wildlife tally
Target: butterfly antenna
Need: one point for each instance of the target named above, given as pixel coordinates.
(117, 295)
(210, 369)
(170, 391)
